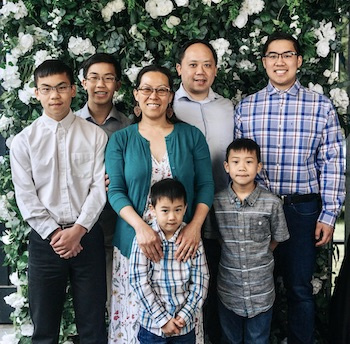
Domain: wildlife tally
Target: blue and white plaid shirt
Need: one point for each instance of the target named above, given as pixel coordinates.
(168, 288)
(301, 143)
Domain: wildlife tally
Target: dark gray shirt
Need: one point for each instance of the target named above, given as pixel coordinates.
(245, 279)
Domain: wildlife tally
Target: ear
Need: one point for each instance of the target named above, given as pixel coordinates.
(226, 167)
(171, 97)
(178, 69)
(135, 92)
(118, 85)
(300, 61)
(83, 83)
(264, 62)
(37, 94)
(73, 91)
(260, 166)
(151, 208)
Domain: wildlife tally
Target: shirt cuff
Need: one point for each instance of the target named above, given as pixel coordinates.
(327, 217)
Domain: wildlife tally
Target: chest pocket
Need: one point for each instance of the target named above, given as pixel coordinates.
(82, 164)
(260, 229)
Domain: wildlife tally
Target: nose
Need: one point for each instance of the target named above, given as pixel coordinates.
(199, 69)
(100, 82)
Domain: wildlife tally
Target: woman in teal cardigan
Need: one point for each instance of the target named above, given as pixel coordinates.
(156, 147)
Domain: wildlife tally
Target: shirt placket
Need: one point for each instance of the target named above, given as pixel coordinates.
(62, 167)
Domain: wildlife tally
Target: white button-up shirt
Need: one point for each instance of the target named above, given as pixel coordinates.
(58, 172)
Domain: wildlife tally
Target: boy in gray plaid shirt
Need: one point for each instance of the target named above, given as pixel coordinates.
(251, 222)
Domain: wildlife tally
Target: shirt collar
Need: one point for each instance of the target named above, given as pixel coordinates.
(53, 124)
(85, 113)
(250, 200)
(182, 93)
(162, 235)
(293, 90)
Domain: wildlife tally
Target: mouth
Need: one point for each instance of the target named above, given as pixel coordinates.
(153, 105)
(280, 71)
(101, 93)
(200, 81)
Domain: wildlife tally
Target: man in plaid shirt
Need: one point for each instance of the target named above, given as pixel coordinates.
(301, 143)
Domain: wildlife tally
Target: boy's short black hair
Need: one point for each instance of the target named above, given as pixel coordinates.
(169, 188)
(51, 67)
(279, 35)
(101, 58)
(183, 49)
(244, 144)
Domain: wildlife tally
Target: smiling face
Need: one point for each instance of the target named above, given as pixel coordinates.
(153, 106)
(282, 72)
(56, 105)
(169, 214)
(197, 70)
(243, 166)
(100, 92)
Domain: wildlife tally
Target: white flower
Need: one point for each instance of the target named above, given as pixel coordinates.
(27, 330)
(253, 6)
(246, 65)
(235, 77)
(243, 49)
(26, 94)
(25, 42)
(79, 46)
(172, 21)
(5, 123)
(135, 33)
(9, 339)
(317, 88)
(241, 20)
(340, 99)
(10, 76)
(180, 3)
(316, 285)
(159, 8)
(19, 10)
(221, 47)
(208, 2)
(41, 56)
(132, 72)
(117, 97)
(112, 7)
(15, 279)
(9, 141)
(322, 48)
(15, 300)
(68, 342)
(327, 73)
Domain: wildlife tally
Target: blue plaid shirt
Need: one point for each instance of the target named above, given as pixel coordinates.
(168, 288)
(301, 143)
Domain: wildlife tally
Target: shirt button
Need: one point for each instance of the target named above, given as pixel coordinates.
(242, 249)
(244, 266)
(241, 230)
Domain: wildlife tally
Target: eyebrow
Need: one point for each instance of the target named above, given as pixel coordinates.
(109, 73)
(275, 52)
(61, 83)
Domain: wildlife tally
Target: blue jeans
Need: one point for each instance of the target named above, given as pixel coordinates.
(239, 330)
(296, 260)
(146, 337)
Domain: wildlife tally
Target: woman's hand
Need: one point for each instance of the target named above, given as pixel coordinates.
(149, 242)
(188, 241)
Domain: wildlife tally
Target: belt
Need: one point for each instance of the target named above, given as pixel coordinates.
(66, 225)
(296, 198)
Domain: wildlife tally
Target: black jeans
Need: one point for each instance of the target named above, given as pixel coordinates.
(48, 275)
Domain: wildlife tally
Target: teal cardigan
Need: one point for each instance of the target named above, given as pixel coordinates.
(129, 166)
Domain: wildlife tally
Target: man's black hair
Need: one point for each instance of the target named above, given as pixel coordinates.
(279, 35)
(183, 49)
(244, 144)
(168, 188)
(101, 58)
(51, 67)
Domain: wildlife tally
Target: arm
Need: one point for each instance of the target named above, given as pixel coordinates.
(330, 159)
(140, 282)
(118, 194)
(198, 286)
(203, 184)
(29, 204)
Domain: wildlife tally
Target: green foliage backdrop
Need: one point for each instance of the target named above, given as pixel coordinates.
(139, 33)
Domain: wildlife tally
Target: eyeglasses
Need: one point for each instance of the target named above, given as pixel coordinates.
(59, 89)
(147, 91)
(106, 79)
(287, 55)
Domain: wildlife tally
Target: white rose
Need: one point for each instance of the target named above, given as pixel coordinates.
(340, 99)
(79, 46)
(27, 330)
(41, 56)
(327, 73)
(5, 123)
(19, 10)
(159, 8)
(241, 20)
(316, 285)
(243, 49)
(26, 94)
(9, 339)
(253, 6)
(14, 279)
(11, 78)
(246, 65)
(25, 42)
(132, 72)
(172, 21)
(15, 300)
(317, 88)
(322, 48)
(180, 3)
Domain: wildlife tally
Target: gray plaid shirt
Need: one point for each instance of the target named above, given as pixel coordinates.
(245, 279)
